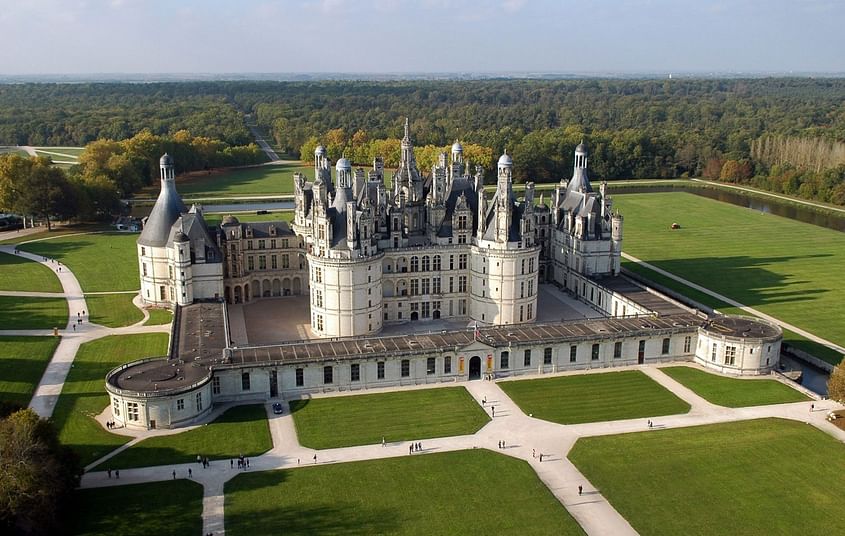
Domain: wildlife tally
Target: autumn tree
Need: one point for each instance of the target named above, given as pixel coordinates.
(836, 384)
(32, 186)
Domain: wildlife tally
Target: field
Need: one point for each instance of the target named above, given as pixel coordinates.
(138, 510)
(765, 477)
(17, 273)
(32, 313)
(113, 310)
(61, 154)
(259, 180)
(240, 430)
(22, 363)
(158, 317)
(733, 392)
(346, 421)
(83, 395)
(101, 262)
(449, 493)
(605, 396)
(779, 266)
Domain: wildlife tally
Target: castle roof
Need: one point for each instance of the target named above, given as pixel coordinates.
(166, 211)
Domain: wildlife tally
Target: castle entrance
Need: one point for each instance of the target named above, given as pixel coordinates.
(475, 368)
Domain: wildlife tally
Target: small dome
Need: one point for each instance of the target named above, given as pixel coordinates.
(166, 160)
(505, 160)
(581, 148)
(180, 237)
(320, 151)
(457, 147)
(343, 163)
(230, 220)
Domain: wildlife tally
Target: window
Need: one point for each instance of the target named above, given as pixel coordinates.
(355, 372)
(144, 269)
(573, 353)
(215, 385)
(132, 411)
(595, 354)
(447, 361)
(318, 298)
(328, 375)
(435, 285)
(199, 401)
(522, 289)
(617, 350)
(273, 244)
(641, 351)
(415, 264)
(426, 263)
(406, 368)
(319, 322)
(250, 263)
(713, 353)
(504, 359)
(687, 342)
(436, 266)
(451, 284)
(285, 261)
(180, 404)
(665, 349)
(526, 358)
(451, 262)
(274, 262)
(430, 365)
(730, 355)
(115, 408)
(318, 275)
(245, 381)
(143, 251)
(249, 244)
(462, 283)
(462, 261)
(162, 292)
(380, 370)
(523, 266)
(300, 377)
(426, 286)
(415, 287)
(547, 356)
(262, 262)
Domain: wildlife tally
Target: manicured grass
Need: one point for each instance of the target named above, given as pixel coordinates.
(170, 507)
(282, 215)
(17, 273)
(32, 313)
(113, 310)
(783, 267)
(606, 396)
(733, 392)
(159, 317)
(84, 395)
(274, 179)
(22, 363)
(345, 421)
(101, 261)
(240, 430)
(764, 477)
(448, 493)
(56, 231)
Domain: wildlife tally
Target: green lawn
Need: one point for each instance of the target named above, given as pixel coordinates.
(465, 492)
(17, 273)
(159, 317)
(345, 421)
(84, 395)
(113, 310)
(606, 396)
(783, 267)
(57, 231)
(763, 477)
(170, 507)
(240, 430)
(32, 313)
(101, 262)
(22, 363)
(282, 215)
(733, 392)
(275, 179)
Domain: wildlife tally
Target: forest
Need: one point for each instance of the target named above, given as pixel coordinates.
(759, 131)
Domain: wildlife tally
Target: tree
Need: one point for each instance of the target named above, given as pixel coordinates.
(836, 383)
(34, 187)
(37, 475)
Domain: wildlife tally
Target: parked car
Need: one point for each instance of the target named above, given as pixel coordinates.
(277, 408)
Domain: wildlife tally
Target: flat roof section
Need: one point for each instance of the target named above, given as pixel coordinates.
(639, 294)
(742, 326)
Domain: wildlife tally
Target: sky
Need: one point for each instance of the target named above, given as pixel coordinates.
(423, 36)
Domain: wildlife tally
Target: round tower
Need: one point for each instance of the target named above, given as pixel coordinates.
(346, 295)
(457, 153)
(343, 167)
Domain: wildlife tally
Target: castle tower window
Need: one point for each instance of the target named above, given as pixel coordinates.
(688, 341)
(426, 263)
(595, 352)
(380, 370)
(406, 368)
(617, 350)
(300, 377)
(665, 349)
(328, 375)
(245, 381)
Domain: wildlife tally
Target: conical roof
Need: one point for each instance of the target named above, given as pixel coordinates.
(168, 208)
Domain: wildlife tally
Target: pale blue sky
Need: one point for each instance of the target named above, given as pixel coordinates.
(215, 36)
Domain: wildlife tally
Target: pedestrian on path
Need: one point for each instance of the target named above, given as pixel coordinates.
(174, 474)
(231, 463)
(580, 490)
(315, 458)
(533, 453)
(484, 401)
(411, 448)
(503, 443)
(493, 410)
(117, 474)
(190, 473)
(108, 471)
(382, 441)
(541, 457)
(650, 424)
(74, 327)
(812, 407)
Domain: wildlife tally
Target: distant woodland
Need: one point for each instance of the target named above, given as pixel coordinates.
(781, 134)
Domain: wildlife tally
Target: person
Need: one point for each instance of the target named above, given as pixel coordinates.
(247, 462)
(74, 327)
(541, 457)
(174, 474)
(108, 471)
(493, 409)
(533, 453)
(411, 448)
(484, 401)
(382, 441)
(117, 474)
(812, 407)
(315, 458)
(190, 473)
(419, 447)
(231, 463)
(580, 490)
(199, 458)
(503, 443)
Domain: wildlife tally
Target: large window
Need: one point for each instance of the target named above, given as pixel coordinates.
(617, 350)
(447, 361)
(245, 381)
(355, 372)
(132, 411)
(547, 356)
(713, 353)
(180, 404)
(300, 377)
(641, 351)
(462, 261)
(328, 375)
(430, 364)
(730, 355)
(215, 385)
(687, 343)
(199, 401)
(573, 353)
(406, 368)
(115, 408)
(415, 264)
(595, 352)
(380, 370)
(665, 349)
(526, 358)
(504, 360)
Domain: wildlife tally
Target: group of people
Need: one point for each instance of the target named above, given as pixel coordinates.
(414, 447)
(110, 425)
(243, 463)
(204, 461)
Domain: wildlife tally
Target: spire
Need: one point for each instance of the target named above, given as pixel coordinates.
(407, 131)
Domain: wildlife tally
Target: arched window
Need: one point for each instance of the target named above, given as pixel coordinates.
(426, 264)
(415, 264)
(436, 267)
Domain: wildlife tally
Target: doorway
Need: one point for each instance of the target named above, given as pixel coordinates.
(415, 316)
(641, 353)
(475, 368)
(274, 384)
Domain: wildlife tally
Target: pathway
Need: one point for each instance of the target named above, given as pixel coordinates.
(525, 438)
(770, 194)
(735, 303)
(271, 154)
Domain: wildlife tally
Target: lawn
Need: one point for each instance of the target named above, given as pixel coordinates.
(22, 363)
(763, 477)
(17, 273)
(113, 310)
(345, 421)
(32, 313)
(447, 493)
(733, 392)
(270, 179)
(606, 396)
(84, 395)
(782, 267)
(101, 261)
(159, 317)
(56, 231)
(240, 430)
(170, 507)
